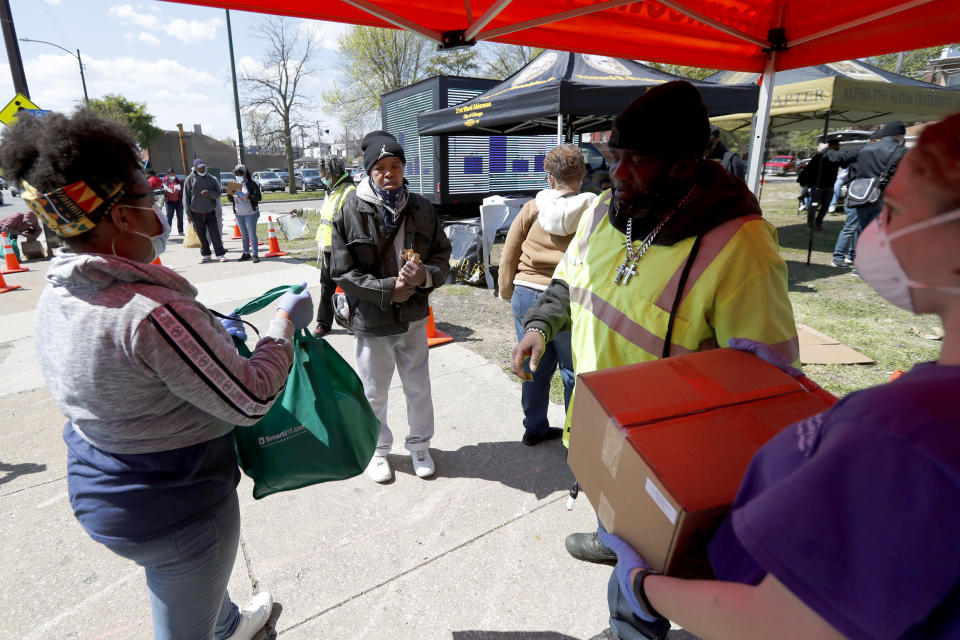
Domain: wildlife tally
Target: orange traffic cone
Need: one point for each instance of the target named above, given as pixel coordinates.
(236, 232)
(435, 337)
(272, 239)
(157, 261)
(4, 287)
(13, 265)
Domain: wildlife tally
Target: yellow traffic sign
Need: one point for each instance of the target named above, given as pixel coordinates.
(19, 103)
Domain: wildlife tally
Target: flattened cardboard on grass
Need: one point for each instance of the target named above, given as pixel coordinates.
(660, 448)
(816, 348)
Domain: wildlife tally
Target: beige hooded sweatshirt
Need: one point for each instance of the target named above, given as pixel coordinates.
(538, 237)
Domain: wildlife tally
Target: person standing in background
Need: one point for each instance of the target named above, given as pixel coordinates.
(246, 201)
(535, 243)
(337, 183)
(201, 193)
(173, 199)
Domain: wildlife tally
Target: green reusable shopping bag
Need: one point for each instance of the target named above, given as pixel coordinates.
(321, 428)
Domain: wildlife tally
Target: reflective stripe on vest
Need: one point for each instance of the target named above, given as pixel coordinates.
(331, 205)
(614, 325)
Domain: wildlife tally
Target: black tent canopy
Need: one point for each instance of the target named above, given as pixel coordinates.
(585, 91)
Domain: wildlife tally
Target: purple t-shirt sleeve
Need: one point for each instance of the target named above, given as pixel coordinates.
(867, 530)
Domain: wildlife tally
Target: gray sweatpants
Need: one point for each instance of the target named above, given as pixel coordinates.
(377, 356)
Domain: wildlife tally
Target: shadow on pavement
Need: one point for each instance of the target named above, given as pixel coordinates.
(540, 470)
(510, 635)
(13, 471)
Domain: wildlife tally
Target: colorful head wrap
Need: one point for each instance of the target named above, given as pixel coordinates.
(75, 208)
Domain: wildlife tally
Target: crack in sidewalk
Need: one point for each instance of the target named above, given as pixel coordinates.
(402, 574)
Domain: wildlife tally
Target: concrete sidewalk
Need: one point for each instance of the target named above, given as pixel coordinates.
(475, 553)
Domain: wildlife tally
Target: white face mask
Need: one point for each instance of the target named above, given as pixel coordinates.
(879, 267)
(158, 242)
(201, 172)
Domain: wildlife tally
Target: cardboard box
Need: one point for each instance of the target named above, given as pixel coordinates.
(233, 187)
(660, 448)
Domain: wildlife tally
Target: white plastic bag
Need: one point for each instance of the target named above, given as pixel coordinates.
(292, 226)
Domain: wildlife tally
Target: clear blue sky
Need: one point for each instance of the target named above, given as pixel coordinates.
(173, 57)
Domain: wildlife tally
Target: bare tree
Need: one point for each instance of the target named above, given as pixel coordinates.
(374, 61)
(260, 129)
(504, 60)
(276, 89)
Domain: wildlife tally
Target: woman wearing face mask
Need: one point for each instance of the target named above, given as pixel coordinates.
(846, 524)
(245, 201)
(149, 379)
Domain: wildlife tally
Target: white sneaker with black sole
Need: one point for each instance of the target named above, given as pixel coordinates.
(253, 616)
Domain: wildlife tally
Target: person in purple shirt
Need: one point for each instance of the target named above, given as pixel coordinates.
(847, 524)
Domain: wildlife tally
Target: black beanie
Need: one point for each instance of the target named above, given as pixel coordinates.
(380, 144)
(668, 121)
(892, 128)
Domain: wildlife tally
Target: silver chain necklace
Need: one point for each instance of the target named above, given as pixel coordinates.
(628, 269)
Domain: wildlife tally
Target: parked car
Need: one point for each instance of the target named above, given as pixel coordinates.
(309, 179)
(3, 183)
(358, 175)
(780, 165)
(268, 181)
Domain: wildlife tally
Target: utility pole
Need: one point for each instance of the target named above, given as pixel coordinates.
(236, 94)
(13, 49)
(183, 149)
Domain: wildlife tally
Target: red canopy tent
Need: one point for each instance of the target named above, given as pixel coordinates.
(741, 35)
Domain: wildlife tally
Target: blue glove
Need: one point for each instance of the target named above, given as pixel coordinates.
(627, 561)
(234, 326)
(765, 352)
(298, 303)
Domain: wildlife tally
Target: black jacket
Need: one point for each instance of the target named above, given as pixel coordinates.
(359, 241)
(729, 160)
(827, 173)
(870, 161)
(718, 198)
(253, 193)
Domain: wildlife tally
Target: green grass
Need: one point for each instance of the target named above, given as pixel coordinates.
(280, 196)
(839, 304)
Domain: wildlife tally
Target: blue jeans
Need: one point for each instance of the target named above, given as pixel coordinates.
(535, 395)
(187, 575)
(857, 219)
(248, 231)
(838, 183)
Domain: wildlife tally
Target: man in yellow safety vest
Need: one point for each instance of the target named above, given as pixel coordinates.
(339, 183)
(676, 258)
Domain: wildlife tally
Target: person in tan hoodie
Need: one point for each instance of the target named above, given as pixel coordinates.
(537, 239)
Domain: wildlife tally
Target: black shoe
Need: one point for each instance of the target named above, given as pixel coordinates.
(244, 257)
(589, 548)
(530, 438)
(256, 258)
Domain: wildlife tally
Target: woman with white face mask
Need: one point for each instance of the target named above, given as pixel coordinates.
(847, 524)
(149, 380)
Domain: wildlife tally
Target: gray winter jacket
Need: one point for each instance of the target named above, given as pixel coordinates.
(139, 366)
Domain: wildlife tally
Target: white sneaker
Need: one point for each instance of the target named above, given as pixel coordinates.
(379, 469)
(423, 463)
(847, 261)
(832, 209)
(253, 616)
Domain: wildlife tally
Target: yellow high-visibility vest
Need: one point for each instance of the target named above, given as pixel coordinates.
(331, 204)
(736, 288)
